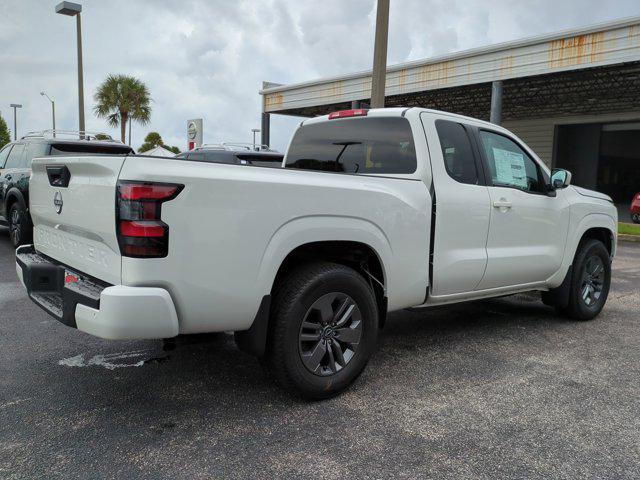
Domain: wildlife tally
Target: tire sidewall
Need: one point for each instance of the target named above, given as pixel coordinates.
(342, 281)
(588, 249)
(24, 224)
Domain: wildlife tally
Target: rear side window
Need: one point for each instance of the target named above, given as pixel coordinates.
(260, 160)
(15, 156)
(457, 152)
(355, 145)
(4, 153)
(217, 156)
(35, 150)
(70, 149)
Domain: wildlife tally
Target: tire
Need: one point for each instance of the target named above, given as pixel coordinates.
(20, 229)
(635, 218)
(323, 356)
(590, 281)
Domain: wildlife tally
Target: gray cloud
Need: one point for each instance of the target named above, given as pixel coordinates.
(208, 58)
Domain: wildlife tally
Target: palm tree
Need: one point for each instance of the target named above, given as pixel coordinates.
(122, 98)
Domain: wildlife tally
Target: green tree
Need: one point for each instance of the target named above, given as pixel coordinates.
(153, 140)
(4, 133)
(121, 98)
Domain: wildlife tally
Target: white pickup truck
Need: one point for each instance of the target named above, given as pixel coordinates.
(374, 211)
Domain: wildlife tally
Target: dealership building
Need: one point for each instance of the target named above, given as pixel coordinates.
(573, 97)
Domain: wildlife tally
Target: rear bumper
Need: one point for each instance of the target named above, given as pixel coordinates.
(114, 312)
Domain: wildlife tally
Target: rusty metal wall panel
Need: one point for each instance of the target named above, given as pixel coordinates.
(611, 44)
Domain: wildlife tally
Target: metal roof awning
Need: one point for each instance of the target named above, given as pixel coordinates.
(579, 71)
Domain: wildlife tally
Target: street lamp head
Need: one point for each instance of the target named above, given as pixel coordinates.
(42, 93)
(68, 8)
(15, 105)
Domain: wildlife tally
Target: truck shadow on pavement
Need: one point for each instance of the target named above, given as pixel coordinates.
(209, 372)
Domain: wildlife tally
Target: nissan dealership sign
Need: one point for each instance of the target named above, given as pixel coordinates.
(194, 133)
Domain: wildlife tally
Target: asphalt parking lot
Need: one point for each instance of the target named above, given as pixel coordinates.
(493, 389)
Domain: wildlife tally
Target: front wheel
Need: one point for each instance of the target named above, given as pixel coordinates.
(323, 330)
(635, 218)
(591, 281)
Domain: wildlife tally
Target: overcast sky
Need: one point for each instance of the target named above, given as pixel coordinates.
(206, 58)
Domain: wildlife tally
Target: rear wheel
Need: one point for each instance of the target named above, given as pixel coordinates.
(19, 225)
(591, 281)
(635, 217)
(323, 330)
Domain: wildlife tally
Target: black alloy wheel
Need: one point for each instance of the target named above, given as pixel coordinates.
(330, 334)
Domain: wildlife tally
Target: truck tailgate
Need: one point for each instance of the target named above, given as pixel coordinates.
(75, 221)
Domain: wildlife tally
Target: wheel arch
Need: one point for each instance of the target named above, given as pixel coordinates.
(599, 227)
(354, 242)
(12, 196)
(595, 225)
(322, 238)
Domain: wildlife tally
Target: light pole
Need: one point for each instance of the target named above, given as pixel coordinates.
(15, 107)
(255, 130)
(73, 10)
(379, 74)
(53, 112)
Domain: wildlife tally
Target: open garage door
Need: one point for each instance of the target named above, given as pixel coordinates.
(603, 157)
(619, 165)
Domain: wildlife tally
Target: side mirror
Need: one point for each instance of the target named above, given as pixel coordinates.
(560, 178)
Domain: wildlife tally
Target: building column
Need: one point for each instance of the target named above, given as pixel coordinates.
(496, 102)
(355, 104)
(264, 130)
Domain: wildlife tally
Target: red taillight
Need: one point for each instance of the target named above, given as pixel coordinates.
(147, 191)
(356, 112)
(141, 229)
(141, 232)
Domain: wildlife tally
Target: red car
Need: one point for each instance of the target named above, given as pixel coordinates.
(635, 208)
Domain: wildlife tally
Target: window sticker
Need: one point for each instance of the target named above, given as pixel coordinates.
(510, 168)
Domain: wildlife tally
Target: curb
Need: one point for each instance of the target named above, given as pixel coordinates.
(628, 238)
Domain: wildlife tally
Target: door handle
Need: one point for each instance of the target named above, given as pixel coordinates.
(502, 203)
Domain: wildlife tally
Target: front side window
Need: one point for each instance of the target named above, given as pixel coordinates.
(510, 165)
(355, 145)
(4, 153)
(15, 156)
(456, 152)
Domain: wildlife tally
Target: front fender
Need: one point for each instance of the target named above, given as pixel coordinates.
(592, 220)
(319, 228)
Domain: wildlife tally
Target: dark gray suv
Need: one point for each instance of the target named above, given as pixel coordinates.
(15, 170)
(235, 154)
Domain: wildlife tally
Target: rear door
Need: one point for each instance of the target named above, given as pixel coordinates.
(73, 211)
(462, 208)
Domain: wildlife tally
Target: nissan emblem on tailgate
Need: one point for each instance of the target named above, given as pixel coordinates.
(57, 202)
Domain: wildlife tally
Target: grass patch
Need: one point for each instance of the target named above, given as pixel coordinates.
(629, 228)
